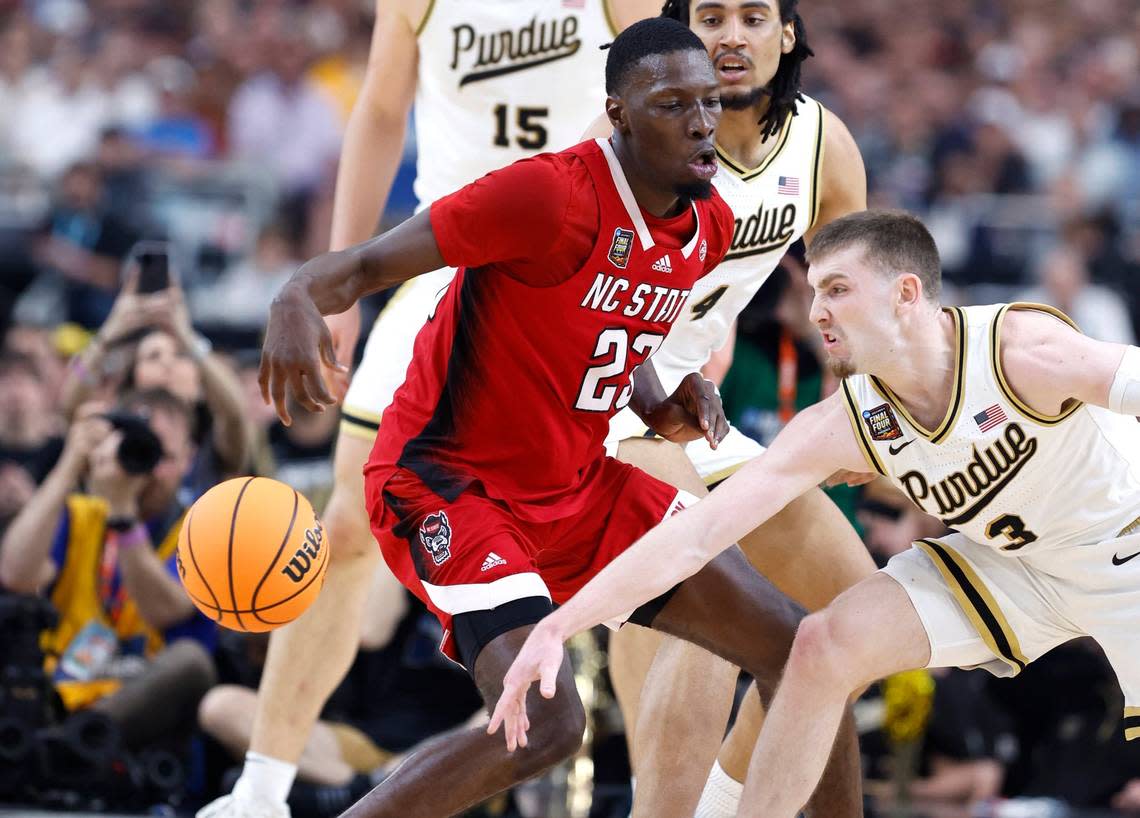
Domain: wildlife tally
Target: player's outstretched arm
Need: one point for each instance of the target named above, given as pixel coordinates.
(815, 444)
(297, 341)
(1049, 363)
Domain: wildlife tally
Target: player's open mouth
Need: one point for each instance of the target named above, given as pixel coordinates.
(732, 68)
(703, 164)
(829, 340)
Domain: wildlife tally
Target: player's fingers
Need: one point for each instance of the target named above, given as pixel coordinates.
(329, 353)
(548, 678)
(315, 385)
(277, 394)
(263, 372)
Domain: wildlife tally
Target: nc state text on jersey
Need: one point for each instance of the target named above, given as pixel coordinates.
(650, 302)
(504, 52)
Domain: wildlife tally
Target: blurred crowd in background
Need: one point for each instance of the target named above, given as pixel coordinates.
(1012, 127)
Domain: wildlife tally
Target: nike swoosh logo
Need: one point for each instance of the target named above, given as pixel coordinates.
(896, 449)
(1118, 561)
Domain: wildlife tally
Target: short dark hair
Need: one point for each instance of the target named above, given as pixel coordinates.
(655, 35)
(784, 88)
(892, 240)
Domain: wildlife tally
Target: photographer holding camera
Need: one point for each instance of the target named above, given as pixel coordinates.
(129, 643)
(148, 341)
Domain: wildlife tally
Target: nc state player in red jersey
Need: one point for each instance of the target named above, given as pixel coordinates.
(488, 488)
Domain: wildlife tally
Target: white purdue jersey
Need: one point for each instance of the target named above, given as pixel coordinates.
(994, 469)
(500, 80)
(773, 204)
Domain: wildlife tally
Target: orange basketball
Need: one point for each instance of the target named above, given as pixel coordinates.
(251, 554)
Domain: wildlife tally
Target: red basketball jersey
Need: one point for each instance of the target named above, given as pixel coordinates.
(512, 385)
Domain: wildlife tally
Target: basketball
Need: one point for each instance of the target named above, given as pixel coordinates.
(251, 554)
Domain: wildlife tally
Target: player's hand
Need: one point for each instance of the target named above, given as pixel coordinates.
(693, 411)
(297, 344)
(345, 330)
(538, 661)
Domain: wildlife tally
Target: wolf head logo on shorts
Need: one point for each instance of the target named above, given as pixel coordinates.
(435, 534)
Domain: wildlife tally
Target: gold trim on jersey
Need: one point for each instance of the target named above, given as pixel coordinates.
(748, 174)
(818, 168)
(427, 15)
(956, 397)
(976, 602)
(1131, 723)
(860, 434)
(723, 474)
(609, 15)
(359, 422)
(995, 360)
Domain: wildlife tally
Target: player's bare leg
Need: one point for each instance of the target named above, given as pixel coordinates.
(810, 552)
(731, 610)
(632, 650)
(309, 657)
(869, 632)
(455, 771)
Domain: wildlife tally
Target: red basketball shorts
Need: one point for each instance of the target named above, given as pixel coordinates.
(473, 554)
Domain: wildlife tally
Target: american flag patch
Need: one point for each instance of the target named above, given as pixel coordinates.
(788, 185)
(990, 418)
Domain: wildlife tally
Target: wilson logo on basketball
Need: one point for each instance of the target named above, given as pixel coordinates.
(304, 557)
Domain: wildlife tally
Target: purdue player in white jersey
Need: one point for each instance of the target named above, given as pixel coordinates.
(492, 81)
(787, 167)
(1005, 422)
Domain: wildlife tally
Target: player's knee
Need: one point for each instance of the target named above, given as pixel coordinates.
(220, 707)
(817, 652)
(349, 532)
(557, 728)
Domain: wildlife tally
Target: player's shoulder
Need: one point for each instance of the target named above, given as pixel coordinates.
(840, 151)
(1026, 326)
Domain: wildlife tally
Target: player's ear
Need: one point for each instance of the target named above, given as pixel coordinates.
(615, 112)
(788, 37)
(908, 289)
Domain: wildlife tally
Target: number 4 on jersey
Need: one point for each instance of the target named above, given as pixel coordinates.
(702, 307)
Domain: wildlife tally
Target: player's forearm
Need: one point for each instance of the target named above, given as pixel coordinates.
(337, 280)
(373, 148)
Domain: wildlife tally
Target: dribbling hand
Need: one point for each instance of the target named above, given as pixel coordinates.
(538, 661)
(297, 342)
(693, 411)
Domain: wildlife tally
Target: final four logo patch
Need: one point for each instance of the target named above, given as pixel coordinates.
(620, 247)
(882, 423)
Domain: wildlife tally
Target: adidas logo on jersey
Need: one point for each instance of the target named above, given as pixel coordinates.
(662, 264)
(493, 560)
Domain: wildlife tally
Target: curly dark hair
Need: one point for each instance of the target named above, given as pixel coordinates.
(784, 89)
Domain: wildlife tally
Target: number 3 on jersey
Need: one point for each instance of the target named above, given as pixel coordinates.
(532, 132)
(612, 348)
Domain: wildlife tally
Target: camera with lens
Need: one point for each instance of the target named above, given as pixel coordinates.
(140, 449)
